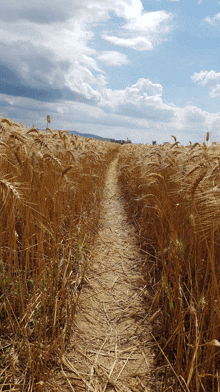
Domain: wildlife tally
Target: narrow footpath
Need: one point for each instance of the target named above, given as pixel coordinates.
(111, 345)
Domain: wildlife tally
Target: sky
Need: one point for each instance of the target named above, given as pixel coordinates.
(143, 70)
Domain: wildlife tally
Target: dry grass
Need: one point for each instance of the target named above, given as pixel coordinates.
(173, 197)
(51, 186)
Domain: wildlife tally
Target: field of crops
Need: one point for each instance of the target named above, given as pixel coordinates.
(51, 189)
(51, 186)
(173, 198)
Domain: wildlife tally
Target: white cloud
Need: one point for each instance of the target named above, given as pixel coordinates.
(54, 55)
(113, 58)
(158, 123)
(57, 49)
(213, 20)
(210, 78)
(10, 101)
(45, 11)
(139, 95)
(147, 22)
(60, 110)
(54, 49)
(192, 114)
(137, 43)
(206, 77)
(143, 30)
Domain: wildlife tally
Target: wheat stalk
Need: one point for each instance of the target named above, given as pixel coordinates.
(18, 158)
(41, 142)
(17, 136)
(55, 159)
(10, 188)
(3, 144)
(6, 120)
(32, 130)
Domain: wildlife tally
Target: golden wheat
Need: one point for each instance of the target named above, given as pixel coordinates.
(49, 212)
(178, 228)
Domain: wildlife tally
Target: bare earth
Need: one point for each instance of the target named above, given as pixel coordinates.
(110, 348)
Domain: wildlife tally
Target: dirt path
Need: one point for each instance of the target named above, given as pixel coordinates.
(110, 347)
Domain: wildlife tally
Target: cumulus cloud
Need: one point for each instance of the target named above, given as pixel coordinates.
(210, 78)
(140, 94)
(142, 100)
(148, 22)
(50, 48)
(113, 58)
(143, 30)
(159, 124)
(42, 11)
(214, 20)
(206, 77)
(156, 112)
(137, 43)
(51, 56)
(60, 110)
(193, 114)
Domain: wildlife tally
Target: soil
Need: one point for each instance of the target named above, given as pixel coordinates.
(111, 346)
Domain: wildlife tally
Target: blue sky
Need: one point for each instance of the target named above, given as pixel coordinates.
(118, 68)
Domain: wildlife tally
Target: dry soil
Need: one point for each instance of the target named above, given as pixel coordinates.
(111, 344)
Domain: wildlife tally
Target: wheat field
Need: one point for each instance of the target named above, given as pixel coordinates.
(51, 187)
(173, 198)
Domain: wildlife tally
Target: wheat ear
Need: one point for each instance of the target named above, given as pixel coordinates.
(67, 169)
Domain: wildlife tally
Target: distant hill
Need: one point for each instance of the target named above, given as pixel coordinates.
(84, 135)
(90, 135)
